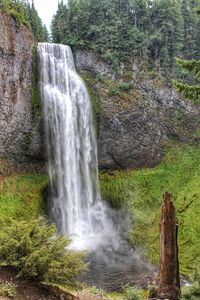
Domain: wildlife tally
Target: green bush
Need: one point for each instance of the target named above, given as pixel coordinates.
(35, 93)
(125, 86)
(191, 292)
(132, 293)
(7, 289)
(36, 252)
(121, 87)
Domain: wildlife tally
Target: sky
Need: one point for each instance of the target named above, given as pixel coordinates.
(46, 10)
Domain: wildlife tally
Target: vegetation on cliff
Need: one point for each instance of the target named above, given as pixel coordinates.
(26, 14)
(35, 92)
(21, 196)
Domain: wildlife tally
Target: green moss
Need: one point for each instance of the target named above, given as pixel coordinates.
(89, 81)
(36, 99)
(21, 196)
(115, 187)
(142, 191)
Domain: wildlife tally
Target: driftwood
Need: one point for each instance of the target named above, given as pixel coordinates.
(167, 285)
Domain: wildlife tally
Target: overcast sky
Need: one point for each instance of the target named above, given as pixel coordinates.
(46, 10)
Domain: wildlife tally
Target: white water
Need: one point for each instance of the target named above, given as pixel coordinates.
(76, 206)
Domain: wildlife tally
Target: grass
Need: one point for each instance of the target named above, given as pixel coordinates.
(21, 196)
(141, 191)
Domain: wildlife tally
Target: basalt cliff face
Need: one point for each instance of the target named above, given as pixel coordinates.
(138, 114)
(20, 133)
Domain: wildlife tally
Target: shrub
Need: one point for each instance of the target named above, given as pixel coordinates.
(132, 293)
(125, 86)
(36, 252)
(191, 292)
(114, 91)
(7, 289)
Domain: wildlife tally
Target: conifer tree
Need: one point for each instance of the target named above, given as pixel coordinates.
(39, 30)
(190, 91)
(154, 31)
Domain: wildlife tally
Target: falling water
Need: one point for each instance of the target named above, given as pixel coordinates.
(76, 206)
(76, 203)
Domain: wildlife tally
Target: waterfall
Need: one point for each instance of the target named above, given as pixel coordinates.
(76, 204)
(76, 207)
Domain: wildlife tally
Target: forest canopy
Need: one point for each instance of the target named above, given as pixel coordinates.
(155, 31)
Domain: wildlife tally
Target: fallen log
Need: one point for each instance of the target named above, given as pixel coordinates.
(167, 285)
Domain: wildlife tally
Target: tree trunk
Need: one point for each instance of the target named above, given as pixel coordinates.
(167, 285)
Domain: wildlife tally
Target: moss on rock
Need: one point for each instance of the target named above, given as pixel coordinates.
(142, 191)
(35, 93)
(21, 196)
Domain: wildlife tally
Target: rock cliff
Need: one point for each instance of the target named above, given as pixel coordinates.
(20, 136)
(138, 114)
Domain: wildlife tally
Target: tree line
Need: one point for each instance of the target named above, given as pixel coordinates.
(155, 31)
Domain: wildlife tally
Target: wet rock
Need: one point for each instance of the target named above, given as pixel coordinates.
(86, 60)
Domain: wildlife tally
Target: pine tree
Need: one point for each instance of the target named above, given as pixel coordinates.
(166, 32)
(190, 91)
(39, 30)
(191, 24)
(121, 31)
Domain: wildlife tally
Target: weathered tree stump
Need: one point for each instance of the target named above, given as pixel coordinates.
(167, 285)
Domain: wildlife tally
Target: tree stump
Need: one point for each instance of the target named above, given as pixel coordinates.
(167, 285)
